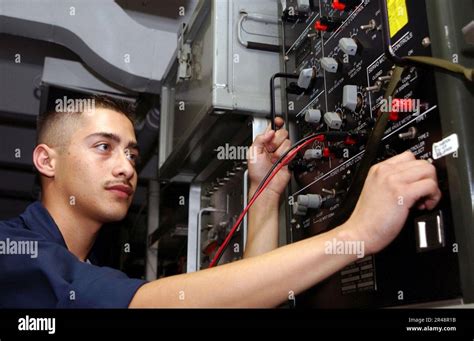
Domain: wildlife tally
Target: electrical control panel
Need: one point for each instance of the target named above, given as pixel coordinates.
(337, 48)
(222, 200)
(216, 200)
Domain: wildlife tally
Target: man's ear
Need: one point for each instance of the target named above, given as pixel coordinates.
(44, 159)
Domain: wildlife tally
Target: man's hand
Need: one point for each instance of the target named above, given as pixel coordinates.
(267, 148)
(264, 152)
(392, 187)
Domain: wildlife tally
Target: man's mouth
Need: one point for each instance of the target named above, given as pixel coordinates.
(122, 191)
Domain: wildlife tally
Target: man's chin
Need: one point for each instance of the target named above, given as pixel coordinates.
(113, 218)
(110, 215)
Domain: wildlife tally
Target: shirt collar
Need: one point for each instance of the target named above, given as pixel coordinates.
(38, 219)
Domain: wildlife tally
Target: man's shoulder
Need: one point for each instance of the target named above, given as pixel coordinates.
(16, 227)
(16, 221)
(22, 224)
(12, 223)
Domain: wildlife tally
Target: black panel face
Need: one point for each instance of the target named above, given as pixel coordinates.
(404, 273)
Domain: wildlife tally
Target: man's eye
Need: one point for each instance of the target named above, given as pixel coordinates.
(103, 147)
(132, 157)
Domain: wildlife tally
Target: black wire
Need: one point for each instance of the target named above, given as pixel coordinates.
(272, 94)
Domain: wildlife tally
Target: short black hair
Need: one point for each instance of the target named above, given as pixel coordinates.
(50, 124)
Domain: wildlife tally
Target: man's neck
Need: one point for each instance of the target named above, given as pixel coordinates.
(79, 232)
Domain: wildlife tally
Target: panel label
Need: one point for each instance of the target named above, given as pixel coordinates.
(397, 15)
(446, 146)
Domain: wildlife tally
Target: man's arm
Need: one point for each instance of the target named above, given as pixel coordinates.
(262, 281)
(262, 232)
(262, 229)
(266, 280)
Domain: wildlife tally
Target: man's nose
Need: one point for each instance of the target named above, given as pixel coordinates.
(123, 166)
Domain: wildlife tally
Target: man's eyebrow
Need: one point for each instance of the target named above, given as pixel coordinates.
(133, 145)
(116, 138)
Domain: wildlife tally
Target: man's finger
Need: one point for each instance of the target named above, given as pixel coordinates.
(403, 157)
(261, 140)
(412, 166)
(281, 150)
(427, 190)
(280, 136)
(416, 173)
(279, 122)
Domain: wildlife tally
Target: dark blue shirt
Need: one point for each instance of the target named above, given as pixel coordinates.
(38, 271)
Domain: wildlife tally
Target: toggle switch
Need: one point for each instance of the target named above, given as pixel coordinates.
(372, 25)
(348, 46)
(375, 88)
(409, 135)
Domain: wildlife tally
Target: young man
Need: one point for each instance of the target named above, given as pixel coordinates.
(86, 162)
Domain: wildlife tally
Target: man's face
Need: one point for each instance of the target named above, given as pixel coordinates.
(96, 171)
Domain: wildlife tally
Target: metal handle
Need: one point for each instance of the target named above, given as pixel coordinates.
(198, 236)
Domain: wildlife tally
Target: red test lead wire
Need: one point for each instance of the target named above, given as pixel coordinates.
(283, 163)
